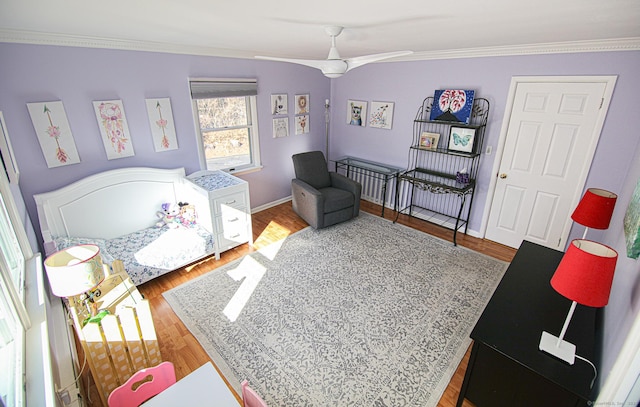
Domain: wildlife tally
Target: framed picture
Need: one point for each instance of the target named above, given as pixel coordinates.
(302, 104)
(302, 124)
(8, 159)
(429, 141)
(462, 139)
(54, 133)
(631, 224)
(452, 105)
(280, 127)
(381, 115)
(113, 128)
(163, 130)
(279, 104)
(356, 110)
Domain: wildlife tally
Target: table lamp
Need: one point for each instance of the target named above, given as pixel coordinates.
(595, 209)
(584, 276)
(75, 270)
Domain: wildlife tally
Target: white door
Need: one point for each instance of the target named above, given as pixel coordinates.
(552, 130)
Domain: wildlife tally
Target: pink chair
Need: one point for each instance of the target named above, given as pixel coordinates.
(250, 398)
(143, 385)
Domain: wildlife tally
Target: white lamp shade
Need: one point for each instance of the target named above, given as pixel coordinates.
(74, 270)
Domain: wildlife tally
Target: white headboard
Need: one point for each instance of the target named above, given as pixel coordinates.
(109, 204)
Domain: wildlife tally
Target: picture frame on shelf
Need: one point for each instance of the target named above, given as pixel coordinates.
(452, 105)
(462, 139)
(429, 141)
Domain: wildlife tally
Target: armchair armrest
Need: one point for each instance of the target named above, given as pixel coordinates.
(343, 182)
(307, 202)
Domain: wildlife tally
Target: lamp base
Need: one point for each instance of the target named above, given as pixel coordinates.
(565, 350)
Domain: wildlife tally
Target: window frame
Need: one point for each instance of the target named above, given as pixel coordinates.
(13, 292)
(255, 162)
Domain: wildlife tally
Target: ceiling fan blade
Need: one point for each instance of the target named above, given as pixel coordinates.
(331, 68)
(314, 63)
(365, 59)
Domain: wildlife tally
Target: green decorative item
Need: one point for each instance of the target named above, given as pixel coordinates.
(632, 224)
(96, 319)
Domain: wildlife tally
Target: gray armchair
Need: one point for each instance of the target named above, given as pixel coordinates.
(320, 197)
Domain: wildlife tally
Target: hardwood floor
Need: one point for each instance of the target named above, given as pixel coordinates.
(180, 347)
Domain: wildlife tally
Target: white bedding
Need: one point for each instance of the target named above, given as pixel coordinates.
(153, 263)
(116, 210)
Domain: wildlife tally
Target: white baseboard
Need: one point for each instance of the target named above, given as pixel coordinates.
(270, 204)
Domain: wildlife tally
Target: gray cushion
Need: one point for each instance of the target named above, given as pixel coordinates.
(336, 199)
(311, 168)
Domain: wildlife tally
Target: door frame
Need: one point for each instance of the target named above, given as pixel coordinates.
(610, 82)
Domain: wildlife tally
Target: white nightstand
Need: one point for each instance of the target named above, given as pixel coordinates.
(229, 211)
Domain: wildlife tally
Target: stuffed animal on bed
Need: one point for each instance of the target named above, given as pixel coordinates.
(188, 216)
(169, 215)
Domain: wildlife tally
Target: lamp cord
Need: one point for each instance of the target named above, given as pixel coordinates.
(595, 371)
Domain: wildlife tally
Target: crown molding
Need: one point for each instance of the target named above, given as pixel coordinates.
(616, 44)
(39, 38)
(66, 40)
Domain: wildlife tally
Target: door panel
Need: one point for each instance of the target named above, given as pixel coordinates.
(550, 140)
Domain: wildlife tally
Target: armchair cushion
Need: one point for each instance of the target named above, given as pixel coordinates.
(311, 168)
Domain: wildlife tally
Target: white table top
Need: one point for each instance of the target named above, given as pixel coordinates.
(203, 387)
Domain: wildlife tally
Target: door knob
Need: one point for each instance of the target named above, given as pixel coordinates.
(503, 175)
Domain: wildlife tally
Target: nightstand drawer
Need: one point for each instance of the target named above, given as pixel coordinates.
(233, 230)
(234, 201)
(228, 213)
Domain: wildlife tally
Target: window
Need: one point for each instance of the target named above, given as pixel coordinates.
(225, 111)
(14, 320)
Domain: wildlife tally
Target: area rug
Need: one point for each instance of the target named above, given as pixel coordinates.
(364, 313)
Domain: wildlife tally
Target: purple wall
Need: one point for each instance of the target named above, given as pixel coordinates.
(407, 84)
(614, 165)
(77, 76)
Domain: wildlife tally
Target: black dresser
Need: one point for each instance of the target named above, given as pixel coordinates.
(505, 367)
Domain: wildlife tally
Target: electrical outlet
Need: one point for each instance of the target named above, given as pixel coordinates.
(64, 396)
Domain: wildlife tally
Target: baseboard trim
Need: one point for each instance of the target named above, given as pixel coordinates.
(270, 204)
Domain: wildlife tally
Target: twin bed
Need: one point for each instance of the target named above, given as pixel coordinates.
(118, 211)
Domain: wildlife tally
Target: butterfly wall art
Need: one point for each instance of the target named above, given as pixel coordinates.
(462, 139)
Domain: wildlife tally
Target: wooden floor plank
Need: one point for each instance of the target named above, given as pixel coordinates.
(183, 350)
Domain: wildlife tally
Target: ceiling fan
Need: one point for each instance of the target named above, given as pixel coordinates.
(334, 66)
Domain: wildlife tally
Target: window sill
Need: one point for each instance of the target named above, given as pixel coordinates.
(246, 170)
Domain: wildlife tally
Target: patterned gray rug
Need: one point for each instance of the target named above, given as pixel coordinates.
(365, 313)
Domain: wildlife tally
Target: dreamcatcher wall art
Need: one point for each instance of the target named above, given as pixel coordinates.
(54, 133)
(113, 128)
(163, 129)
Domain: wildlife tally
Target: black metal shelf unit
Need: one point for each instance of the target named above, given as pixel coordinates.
(432, 188)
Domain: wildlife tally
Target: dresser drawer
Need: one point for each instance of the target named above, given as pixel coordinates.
(232, 221)
(236, 200)
(233, 229)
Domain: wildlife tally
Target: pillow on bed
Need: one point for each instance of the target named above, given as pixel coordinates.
(64, 242)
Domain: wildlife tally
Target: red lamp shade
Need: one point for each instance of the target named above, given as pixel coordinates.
(595, 208)
(585, 273)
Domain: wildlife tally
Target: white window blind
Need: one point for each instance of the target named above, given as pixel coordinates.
(209, 89)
